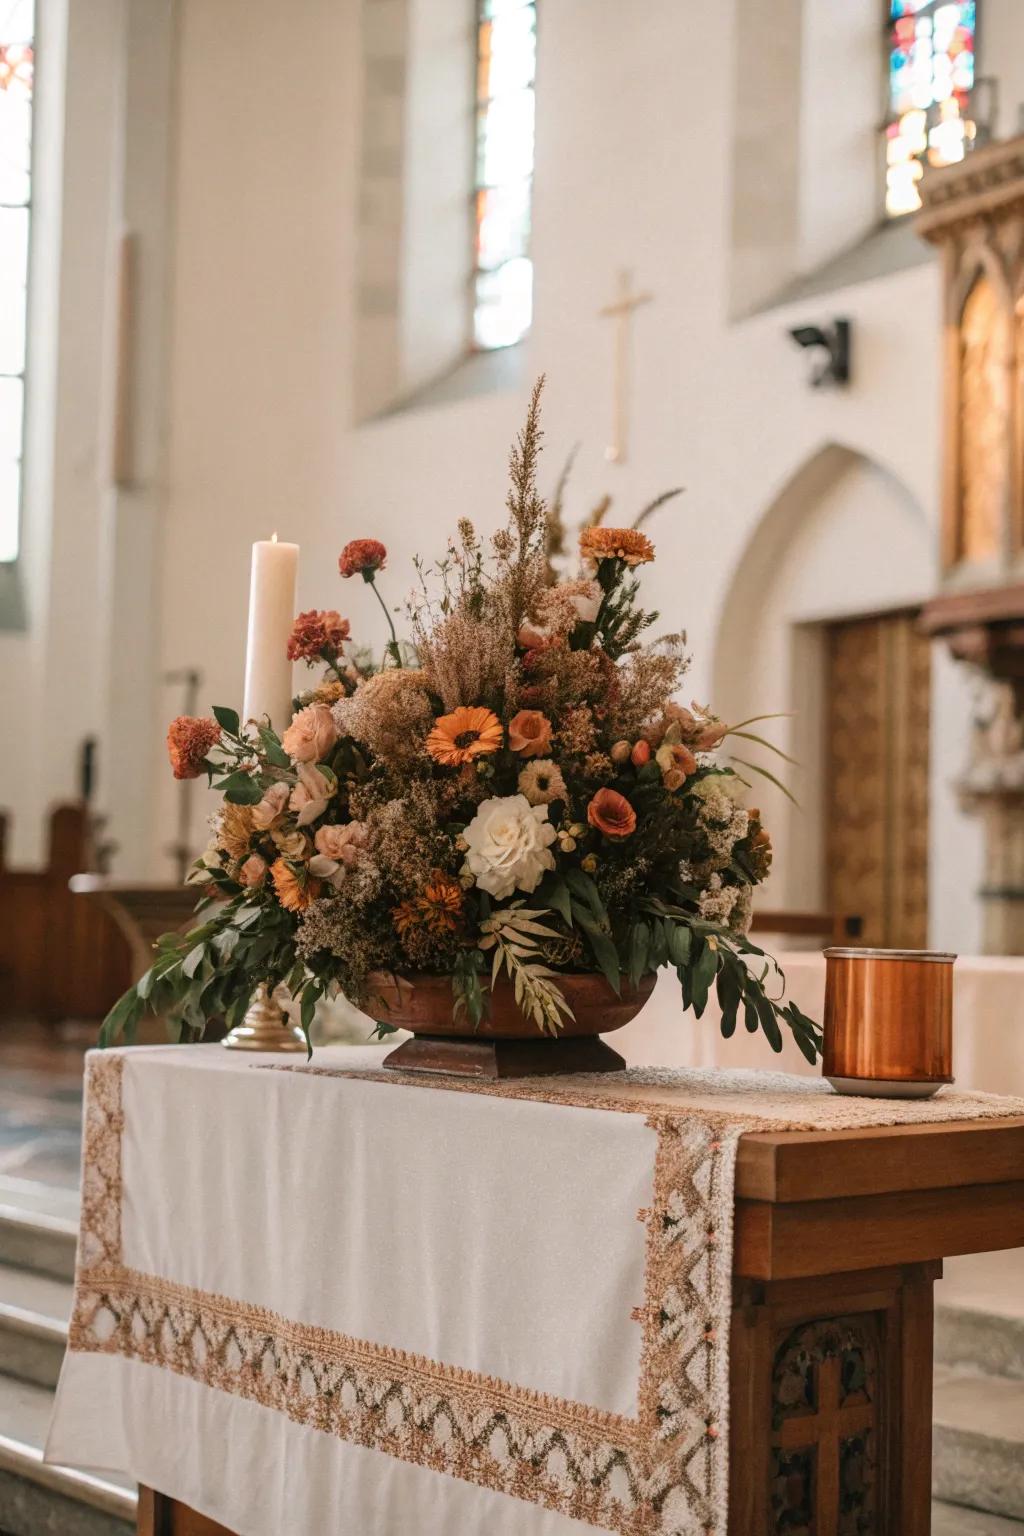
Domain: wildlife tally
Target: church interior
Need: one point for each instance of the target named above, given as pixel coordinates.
(769, 260)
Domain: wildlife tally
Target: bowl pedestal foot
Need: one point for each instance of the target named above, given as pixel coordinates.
(493, 1059)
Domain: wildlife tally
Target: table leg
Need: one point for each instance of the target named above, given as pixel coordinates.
(831, 1400)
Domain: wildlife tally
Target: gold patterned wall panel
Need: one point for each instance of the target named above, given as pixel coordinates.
(878, 702)
(985, 423)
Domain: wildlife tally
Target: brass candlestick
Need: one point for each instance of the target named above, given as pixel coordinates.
(265, 1027)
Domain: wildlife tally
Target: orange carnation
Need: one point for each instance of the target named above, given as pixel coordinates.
(612, 814)
(318, 633)
(529, 733)
(293, 894)
(616, 544)
(466, 733)
(189, 739)
(362, 557)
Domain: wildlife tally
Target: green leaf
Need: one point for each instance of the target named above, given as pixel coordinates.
(604, 951)
(639, 949)
(272, 748)
(554, 893)
(227, 719)
(193, 960)
(750, 1015)
(250, 795)
(769, 1023)
(583, 886)
(730, 989)
(702, 974)
(680, 943)
(770, 745)
(122, 1018)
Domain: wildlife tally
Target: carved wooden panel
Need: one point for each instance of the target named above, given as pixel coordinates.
(826, 1430)
(878, 690)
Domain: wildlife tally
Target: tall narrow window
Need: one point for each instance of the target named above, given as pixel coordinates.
(931, 46)
(16, 67)
(503, 271)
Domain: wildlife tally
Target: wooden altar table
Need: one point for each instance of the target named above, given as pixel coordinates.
(838, 1237)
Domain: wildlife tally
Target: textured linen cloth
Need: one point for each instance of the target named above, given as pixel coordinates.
(332, 1299)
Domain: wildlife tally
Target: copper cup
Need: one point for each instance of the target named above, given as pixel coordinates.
(888, 1021)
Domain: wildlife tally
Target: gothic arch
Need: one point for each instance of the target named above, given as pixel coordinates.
(843, 536)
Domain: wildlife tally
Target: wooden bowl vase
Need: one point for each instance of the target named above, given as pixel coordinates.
(505, 1043)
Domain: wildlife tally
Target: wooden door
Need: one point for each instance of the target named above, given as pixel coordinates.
(878, 702)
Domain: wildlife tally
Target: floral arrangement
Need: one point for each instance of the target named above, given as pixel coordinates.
(514, 788)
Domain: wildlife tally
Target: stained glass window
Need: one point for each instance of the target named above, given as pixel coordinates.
(931, 48)
(503, 271)
(16, 70)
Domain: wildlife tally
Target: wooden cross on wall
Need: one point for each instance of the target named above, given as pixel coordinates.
(621, 311)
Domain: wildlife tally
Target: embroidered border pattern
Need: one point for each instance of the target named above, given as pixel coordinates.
(663, 1472)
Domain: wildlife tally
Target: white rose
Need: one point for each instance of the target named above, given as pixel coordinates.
(508, 844)
(588, 607)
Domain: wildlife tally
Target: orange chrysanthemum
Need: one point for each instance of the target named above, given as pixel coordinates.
(295, 895)
(616, 544)
(466, 733)
(189, 739)
(438, 909)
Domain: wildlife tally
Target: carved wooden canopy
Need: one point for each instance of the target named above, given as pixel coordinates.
(974, 213)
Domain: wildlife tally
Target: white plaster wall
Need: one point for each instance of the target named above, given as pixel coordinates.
(635, 168)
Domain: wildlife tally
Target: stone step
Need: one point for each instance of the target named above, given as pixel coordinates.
(34, 1312)
(991, 1342)
(38, 1227)
(955, 1520)
(38, 1500)
(978, 1441)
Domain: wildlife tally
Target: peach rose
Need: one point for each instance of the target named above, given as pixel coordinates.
(612, 814)
(341, 843)
(311, 734)
(271, 808)
(311, 794)
(529, 733)
(641, 753)
(254, 871)
(532, 637)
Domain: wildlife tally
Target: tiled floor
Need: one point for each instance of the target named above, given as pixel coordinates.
(40, 1106)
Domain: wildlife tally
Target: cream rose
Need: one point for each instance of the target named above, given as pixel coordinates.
(509, 845)
(271, 808)
(311, 734)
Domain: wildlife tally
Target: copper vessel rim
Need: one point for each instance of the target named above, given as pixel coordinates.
(935, 955)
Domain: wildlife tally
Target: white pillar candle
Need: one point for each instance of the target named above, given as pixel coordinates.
(268, 672)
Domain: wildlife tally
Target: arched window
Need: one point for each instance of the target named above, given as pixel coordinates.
(503, 271)
(931, 74)
(16, 72)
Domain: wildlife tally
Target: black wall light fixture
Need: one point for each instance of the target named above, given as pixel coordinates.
(834, 341)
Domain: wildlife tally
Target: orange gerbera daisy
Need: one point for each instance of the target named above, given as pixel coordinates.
(466, 733)
(293, 894)
(616, 544)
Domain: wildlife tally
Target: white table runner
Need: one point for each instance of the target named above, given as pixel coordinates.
(335, 1300)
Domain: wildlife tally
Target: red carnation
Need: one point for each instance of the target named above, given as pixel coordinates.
(189, 739)
(362, 557)
(318, 633)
